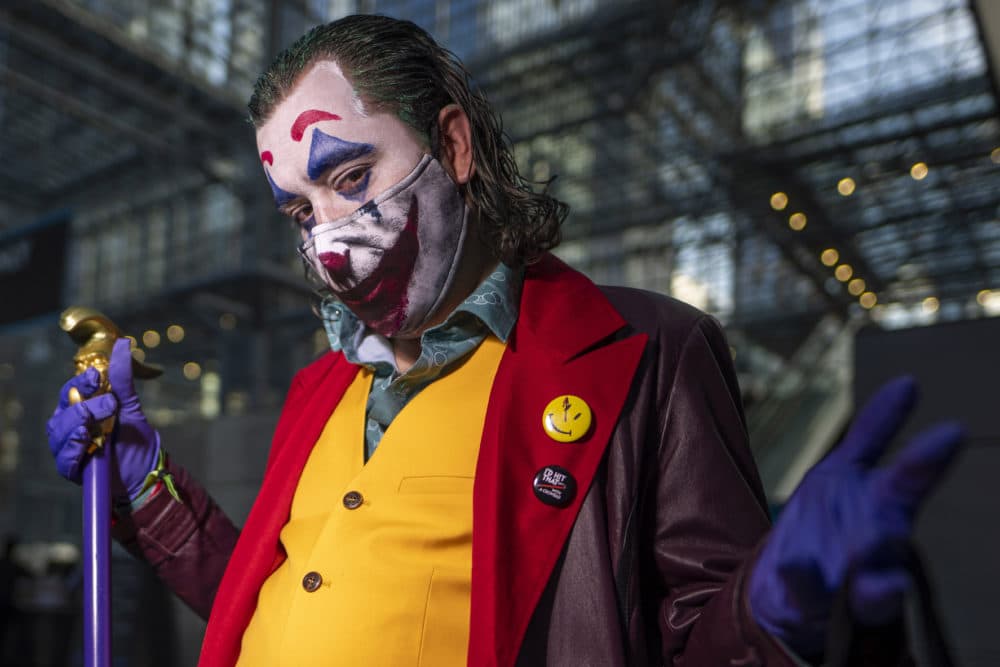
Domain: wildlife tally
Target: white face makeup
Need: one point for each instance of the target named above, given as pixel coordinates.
(382, 223)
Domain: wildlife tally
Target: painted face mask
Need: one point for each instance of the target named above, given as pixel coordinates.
(393, 260)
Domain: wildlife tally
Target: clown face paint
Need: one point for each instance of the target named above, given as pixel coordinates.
(393, 259)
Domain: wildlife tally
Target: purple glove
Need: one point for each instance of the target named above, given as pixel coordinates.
(848, 519)
(135, 446)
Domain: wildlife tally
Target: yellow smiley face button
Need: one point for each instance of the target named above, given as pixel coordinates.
(567, 418)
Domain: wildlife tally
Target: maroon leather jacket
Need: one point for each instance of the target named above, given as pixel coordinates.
(655, 566)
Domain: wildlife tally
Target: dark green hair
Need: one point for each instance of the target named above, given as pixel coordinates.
(396, 67)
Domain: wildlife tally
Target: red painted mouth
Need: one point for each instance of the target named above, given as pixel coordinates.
(380, 299)
(338, 264)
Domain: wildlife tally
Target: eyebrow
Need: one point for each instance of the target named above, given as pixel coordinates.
(307, 118)
(281, 197)
(327, 152)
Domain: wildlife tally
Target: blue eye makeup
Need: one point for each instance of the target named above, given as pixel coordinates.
(327, 152)
(281, 197)
(357, 191)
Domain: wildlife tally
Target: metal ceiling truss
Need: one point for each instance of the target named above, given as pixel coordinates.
(640, 107)
(616, 90)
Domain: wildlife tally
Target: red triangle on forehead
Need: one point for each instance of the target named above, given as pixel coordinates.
(307, 118)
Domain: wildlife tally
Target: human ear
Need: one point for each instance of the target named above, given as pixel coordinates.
(455, 136)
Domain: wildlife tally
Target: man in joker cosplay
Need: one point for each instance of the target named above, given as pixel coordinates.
(499, 462)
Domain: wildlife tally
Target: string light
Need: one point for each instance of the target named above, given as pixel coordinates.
(995, 155)
(931, 304)
(919, 171)
(856, 286)
(843, 272)
(192, 370)
(868, 300)
(990, 301)
(797, 221)
(779, 200)
(150, 338)
(829, 257)
(175, 333)
(846, 186)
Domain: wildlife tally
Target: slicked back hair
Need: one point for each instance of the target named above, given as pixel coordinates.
(396, 67)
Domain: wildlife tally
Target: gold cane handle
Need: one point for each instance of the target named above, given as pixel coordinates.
(95, 335)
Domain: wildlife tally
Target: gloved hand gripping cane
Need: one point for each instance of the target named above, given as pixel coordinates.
(95, 335)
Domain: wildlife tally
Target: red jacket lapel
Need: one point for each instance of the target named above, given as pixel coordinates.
(257, 552)
(516, 538)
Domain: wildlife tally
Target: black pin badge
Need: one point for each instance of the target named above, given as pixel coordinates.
(554, 486)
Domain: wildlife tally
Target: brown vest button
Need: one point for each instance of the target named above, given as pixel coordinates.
(312, 581)
(353, 500)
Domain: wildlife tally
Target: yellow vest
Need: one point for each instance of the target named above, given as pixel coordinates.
(380, 554)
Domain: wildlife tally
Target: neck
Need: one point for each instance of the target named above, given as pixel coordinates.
(407, 351)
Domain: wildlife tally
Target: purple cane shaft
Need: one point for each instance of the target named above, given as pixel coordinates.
(97, 561)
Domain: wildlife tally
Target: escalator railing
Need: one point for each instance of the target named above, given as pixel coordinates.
(804, 407)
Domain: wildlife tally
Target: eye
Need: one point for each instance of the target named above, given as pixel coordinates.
(354, 176)
(301, 216)
(354, 181)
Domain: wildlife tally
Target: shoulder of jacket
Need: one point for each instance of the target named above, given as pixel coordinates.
(657, 315)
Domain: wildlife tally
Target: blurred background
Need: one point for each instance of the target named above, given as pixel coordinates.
(821, 175)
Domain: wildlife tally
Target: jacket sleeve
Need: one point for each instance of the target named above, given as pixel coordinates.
(710, 515)
(187, 543)
(711, 521)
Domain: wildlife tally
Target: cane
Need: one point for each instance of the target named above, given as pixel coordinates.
(95, 335)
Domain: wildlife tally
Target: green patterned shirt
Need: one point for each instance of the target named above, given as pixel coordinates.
(491, 308)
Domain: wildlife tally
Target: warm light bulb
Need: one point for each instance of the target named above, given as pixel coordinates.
(175, 333)
(843, 272)
(846, 186)
(797, 221)
(150, 338)
(829, 257)
(856, 286)
(919, 171)
(868, 300)
(779, 200)
(192, 370)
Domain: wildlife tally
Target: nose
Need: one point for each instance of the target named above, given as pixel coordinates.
(330, 207)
